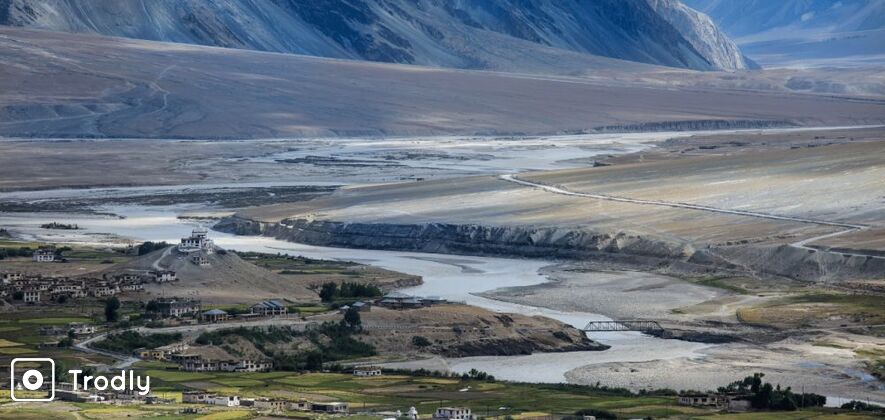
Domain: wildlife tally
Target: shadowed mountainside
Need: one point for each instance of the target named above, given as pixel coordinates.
(479, 34)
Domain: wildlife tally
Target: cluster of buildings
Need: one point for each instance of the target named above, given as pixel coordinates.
(360, 306)
(197, 247)
(35, 289)
(175, 307)
(64, 391)
(453, 413)
(729, 402)
(366, 371)
(263, 404)
(212, 359)
(205, 358)
(396, 300)
(74, 328)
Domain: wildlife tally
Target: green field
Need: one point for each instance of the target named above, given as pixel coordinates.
(297, 265)
(20, 333)
(392, 392)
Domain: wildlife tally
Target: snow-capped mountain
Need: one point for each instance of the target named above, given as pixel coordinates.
(475, 34)
(803, 32)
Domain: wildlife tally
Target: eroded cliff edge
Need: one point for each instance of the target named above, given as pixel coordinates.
(640, 251)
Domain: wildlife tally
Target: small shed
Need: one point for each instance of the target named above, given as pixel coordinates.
(215, 315)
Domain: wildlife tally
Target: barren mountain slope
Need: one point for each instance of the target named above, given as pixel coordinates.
(65, 85)
(227, 279)
(470, 34)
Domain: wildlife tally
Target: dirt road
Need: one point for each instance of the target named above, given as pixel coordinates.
(849, 227)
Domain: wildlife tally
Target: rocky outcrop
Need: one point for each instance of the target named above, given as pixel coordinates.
(513, 347)
(804, 264)
(524, 241)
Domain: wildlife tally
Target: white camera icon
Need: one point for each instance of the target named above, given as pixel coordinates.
(31, 379)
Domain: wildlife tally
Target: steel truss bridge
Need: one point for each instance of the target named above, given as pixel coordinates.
(642, 325)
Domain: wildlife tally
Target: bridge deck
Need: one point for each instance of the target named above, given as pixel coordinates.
(624, 325)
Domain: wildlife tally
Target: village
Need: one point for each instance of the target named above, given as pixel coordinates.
(176, 323)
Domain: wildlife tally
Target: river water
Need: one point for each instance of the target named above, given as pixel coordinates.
(451, 277)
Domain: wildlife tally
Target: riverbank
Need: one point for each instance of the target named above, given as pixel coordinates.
(823, 361)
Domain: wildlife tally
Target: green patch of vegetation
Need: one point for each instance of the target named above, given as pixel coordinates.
(55, 320)
(308, 310)
(177, 375)
(296, 264)
(855, 405)
(764, 396)
(148, 247)
(260, 337)
(419, 341)
(724, 283)
(238, 382)
(347, 291)
(21, 413)
(331, 342)
(861, 308)
(19, 244)
(126, 342)
(9, 252)
(15, 351)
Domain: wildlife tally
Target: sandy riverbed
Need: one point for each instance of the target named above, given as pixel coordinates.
(798, 362)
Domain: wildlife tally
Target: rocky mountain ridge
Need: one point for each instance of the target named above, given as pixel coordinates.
(477, 34)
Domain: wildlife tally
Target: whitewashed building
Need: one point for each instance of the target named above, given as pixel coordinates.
(453, 413)
(198, 241)
(226, 401)
(44, 255)
(367, 371)
(31, 296)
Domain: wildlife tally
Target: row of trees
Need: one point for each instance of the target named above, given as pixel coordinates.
(15, 252)
(330, 291)
(148, 247)
(764, 396)
(127, 341)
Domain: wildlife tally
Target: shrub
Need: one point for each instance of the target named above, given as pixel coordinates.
(419, 341)
(127, 341)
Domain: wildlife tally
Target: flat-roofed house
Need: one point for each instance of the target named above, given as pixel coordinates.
(176, 307)
(31, 295)
(329, 407)
(453, 413)
(195, 397)
(367, 371)
(225, 401)
(44, 255)
(215, 315)
(7, 278)
(163, 276)
(269, 308)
